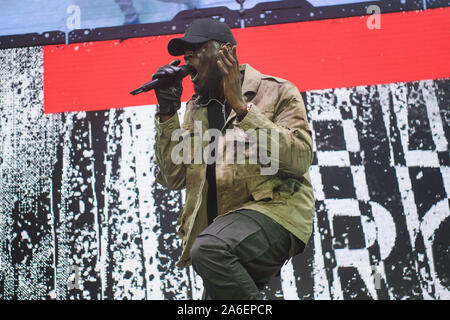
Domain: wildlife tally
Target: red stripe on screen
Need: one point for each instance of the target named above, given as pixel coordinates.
(313, 55)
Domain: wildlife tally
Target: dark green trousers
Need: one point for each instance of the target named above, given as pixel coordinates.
(239, 253)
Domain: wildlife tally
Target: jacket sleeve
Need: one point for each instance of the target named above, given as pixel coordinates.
(292, 132)
(170, 175)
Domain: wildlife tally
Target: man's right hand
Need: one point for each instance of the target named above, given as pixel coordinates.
(169, 99)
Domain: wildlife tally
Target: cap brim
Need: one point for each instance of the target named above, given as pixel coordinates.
(177, 46)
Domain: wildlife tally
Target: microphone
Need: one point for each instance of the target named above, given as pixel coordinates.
(162, 82)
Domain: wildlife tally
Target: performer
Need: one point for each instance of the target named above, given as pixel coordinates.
(238, 226)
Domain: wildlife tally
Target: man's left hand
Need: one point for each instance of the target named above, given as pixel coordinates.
(229, 67)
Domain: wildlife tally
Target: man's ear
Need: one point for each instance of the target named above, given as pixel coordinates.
(229, 46)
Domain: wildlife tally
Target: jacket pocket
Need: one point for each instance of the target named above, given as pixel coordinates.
(262, 195)
(239, 147)
(288, 188)
(261, 189)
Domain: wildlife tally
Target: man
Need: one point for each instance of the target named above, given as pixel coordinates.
(239, 225)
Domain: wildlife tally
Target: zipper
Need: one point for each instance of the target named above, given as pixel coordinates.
(223, 112)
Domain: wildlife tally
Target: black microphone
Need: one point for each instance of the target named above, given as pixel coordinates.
(162, 82)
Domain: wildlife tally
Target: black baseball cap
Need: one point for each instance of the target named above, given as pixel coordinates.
(200, 31)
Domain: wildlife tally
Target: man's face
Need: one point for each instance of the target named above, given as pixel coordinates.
(203, 57)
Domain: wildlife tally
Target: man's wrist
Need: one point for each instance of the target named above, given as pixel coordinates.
(242, 111)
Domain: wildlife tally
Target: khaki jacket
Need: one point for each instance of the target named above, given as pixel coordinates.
(286, 196)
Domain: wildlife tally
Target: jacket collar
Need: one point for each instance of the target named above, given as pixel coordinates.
(252, 78)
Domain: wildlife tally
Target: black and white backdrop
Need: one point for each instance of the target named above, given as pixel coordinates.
(82, 218)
